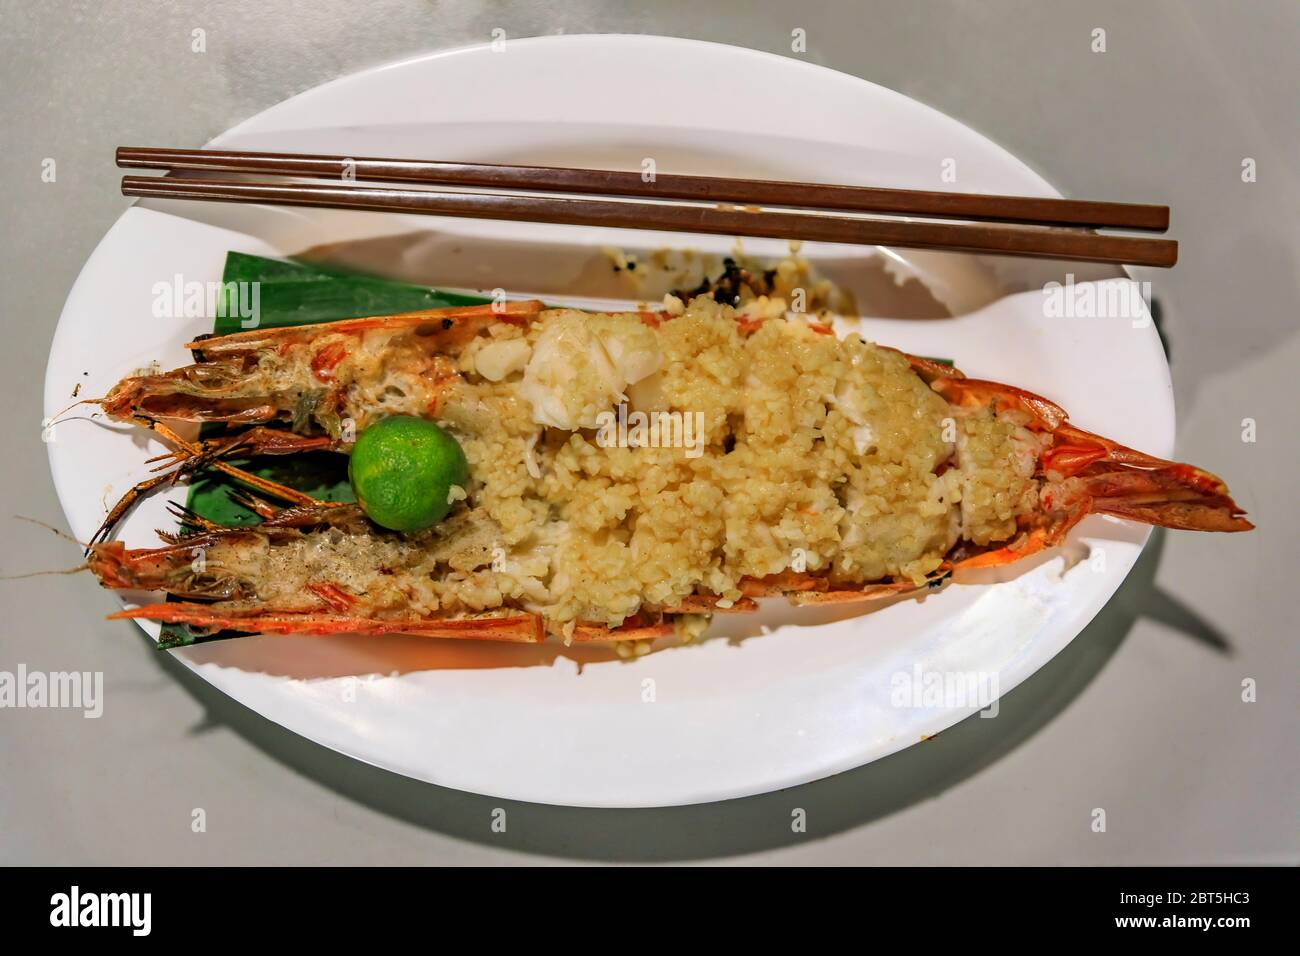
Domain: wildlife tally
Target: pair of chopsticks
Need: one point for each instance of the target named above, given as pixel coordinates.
(993, 225)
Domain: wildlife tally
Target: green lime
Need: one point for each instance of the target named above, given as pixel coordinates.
(402, 470)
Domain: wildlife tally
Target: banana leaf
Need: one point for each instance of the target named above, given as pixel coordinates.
(298, 293)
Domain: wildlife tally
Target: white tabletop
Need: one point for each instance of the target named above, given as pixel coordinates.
(1142, 716)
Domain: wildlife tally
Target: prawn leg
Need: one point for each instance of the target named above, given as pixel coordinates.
(187, 457)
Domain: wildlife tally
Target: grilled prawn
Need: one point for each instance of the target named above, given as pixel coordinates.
(821, 469)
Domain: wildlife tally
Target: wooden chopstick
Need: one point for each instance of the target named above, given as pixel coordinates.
(756, 192)
(1035, 242)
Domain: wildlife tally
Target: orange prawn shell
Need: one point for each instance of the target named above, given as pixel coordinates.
(1082, 473)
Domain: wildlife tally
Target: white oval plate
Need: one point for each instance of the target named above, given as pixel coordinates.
(818, 694)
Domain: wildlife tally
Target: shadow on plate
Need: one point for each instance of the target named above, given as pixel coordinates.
(747, 825)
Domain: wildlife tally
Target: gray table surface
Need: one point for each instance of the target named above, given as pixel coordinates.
(1142, 715)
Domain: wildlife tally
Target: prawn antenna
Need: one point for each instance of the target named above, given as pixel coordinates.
(55, 419)
(60, 533)
(40, 574)
(49, 527)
